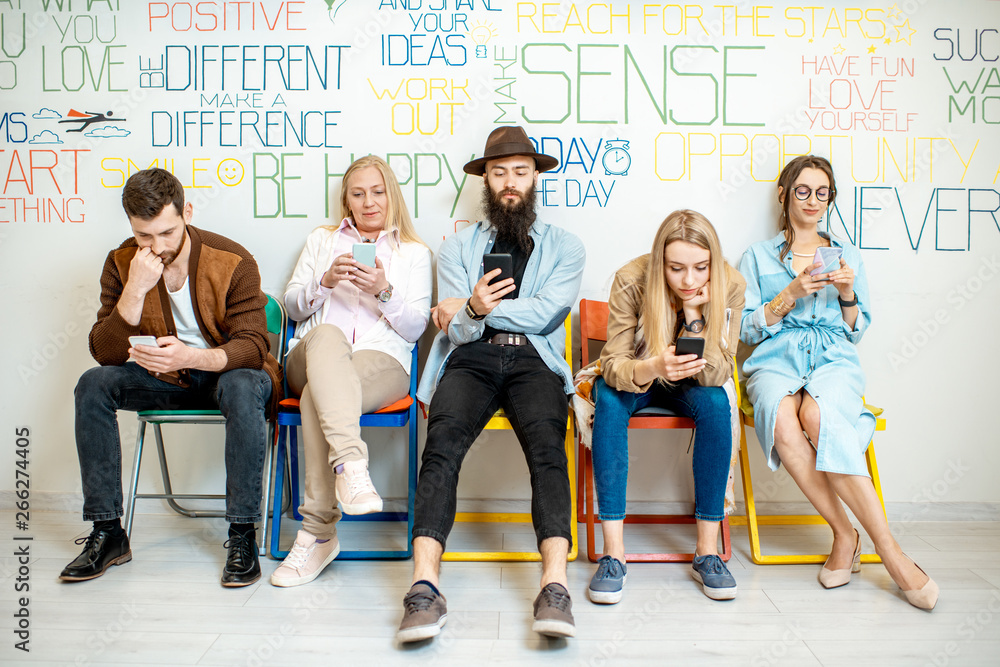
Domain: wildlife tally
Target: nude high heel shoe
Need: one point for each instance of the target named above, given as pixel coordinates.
(834, 578)
(924, 597)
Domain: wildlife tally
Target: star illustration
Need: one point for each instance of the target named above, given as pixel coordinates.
(899, 32)
(810, 40)
(838, 49)
(871, 49)
(893, 11)
(888, 40)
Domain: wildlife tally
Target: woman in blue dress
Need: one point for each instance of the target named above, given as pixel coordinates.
(804, 377)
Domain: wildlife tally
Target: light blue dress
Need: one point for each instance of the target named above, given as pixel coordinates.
(812, 348)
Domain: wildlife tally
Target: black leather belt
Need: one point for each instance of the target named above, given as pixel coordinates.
(509, 339)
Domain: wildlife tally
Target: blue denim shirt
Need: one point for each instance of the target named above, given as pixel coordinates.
(548, 290)
(812, 348)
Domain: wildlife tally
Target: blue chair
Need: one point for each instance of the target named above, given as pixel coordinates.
(400, 413)
(275, 325)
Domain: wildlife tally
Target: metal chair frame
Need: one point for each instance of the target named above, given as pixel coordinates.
(753, 520)
(594, 327)
(500, 422)
(275, 325)
(289, 419)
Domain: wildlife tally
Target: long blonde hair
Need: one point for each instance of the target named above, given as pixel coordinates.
(397, 216)
(659, 312)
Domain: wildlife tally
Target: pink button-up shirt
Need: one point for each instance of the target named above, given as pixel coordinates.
(354, 311)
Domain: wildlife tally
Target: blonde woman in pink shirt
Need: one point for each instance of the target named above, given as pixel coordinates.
(357, 325)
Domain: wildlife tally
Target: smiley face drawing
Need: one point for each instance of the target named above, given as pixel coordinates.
(230, 172)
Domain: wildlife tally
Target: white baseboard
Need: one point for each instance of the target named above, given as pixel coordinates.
(50, 501)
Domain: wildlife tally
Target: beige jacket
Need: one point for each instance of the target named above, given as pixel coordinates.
(618, 359)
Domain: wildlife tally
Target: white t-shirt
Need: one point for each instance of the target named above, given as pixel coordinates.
(184, 319)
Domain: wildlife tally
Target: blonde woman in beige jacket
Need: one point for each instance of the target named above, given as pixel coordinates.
(683, 289)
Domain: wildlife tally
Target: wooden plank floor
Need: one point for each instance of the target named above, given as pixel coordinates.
(166, 607)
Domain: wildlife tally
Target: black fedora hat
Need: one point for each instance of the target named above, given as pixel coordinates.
(507, 141)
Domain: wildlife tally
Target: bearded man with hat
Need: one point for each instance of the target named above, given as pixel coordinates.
(501, 345)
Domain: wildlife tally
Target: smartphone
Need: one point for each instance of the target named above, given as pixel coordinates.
(364, 253)
(142, 340)
(502, 261)
(829, 258)
(690, 346)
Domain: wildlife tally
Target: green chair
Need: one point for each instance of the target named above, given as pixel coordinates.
(275, 327)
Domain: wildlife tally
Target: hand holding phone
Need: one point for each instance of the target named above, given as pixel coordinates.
(141, 340)
(364, 253)
(828, 258)
(694, 346)
(502, 261)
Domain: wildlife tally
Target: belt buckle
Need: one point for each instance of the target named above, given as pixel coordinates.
(512, 339)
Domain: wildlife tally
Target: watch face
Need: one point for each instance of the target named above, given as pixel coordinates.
(385, 294)
(695, 327)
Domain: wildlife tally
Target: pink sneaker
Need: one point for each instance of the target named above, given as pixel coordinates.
(305, 561)
(354, 488)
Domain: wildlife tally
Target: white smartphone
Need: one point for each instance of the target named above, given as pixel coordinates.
(142, 340)
(364, 253)
(829, 258)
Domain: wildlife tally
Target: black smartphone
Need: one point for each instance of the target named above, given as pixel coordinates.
(502, 261)
(690, 346)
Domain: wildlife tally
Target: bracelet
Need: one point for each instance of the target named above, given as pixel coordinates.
(848, 304)
(779, 307)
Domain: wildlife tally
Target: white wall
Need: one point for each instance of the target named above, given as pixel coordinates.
(559, 69)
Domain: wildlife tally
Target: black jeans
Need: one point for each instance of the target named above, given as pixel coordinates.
(479, 378)
(240, 394)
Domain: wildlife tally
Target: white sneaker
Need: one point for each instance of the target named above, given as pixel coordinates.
(354, 489)
(305, 561)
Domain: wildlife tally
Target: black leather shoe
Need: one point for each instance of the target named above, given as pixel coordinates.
(242, 567)
(102, 550)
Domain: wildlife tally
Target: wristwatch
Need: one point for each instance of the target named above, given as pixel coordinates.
(695, 327)
(385, 294)
(471, 313)
(848, 304)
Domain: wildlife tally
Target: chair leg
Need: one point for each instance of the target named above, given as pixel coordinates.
(279, 494)
(588, 493)
(293, 471)
(134, 485)
(268, 458)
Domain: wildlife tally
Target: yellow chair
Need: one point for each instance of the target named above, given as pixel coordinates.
(499, 421)
(753, 520)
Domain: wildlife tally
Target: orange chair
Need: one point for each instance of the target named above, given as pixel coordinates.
(594, 327)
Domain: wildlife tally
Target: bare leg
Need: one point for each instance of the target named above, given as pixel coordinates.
(859, 494)
(708, 538)
(614, 539)
(427, 559)
(799, 458)
(554, 551)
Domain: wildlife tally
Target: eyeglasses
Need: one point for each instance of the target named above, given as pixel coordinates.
(802, 193)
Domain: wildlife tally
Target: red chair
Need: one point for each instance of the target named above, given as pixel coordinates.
(594, 327)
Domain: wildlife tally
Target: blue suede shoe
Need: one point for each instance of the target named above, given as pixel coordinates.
(714, 577)
(607, 583)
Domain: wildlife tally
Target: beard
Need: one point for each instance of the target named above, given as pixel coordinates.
(168, 256)
(512, 220)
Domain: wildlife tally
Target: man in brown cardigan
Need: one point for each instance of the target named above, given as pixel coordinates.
(199, 295)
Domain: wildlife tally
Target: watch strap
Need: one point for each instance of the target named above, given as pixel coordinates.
(471, 313)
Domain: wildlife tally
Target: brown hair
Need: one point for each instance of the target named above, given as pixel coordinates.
(397, 216)
(148, 191)
(787, 180)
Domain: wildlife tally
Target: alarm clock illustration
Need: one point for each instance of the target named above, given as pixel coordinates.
(616, 159)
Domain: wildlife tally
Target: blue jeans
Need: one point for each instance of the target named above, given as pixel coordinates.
(479, 378)
(713, 442)
(240, 394)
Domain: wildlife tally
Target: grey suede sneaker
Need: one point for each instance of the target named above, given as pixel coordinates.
(553, 612)
(714, 577)
(424, 614)
(609, 580)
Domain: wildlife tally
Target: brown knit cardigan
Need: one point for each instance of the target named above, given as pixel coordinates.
(228, 305)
